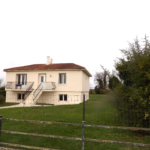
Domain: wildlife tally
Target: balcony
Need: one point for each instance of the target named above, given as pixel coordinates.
(15, 86)
(47, 86)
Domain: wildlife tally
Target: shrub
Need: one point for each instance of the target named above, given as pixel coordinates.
(2, 99)
(132, 96)
(2, 91)
(96, 89)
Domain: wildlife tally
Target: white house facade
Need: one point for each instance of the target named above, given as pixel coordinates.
(56, 84)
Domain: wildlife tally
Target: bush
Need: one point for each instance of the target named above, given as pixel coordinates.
(91, 91)
(131, 110)
(132, 96)
(113, 82)
(2, 99)
(2, 91)
(96, 89)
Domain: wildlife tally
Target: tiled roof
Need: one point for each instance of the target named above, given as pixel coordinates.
(47, 67)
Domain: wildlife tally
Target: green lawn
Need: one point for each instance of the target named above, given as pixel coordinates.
(98, 112)
(7, 104)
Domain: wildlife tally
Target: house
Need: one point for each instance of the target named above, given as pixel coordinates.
(58, 84)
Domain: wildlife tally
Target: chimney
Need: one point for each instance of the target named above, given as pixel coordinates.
(48, 61)
(51, 60)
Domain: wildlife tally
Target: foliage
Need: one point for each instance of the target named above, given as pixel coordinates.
(2, 99)
(1, 80)
(97, 90)
(91, 91)
(101, 79)
(113, 82)
(2, 91)
(133, 95)
(98, 112)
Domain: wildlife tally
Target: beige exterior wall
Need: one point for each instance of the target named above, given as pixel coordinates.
(73, 79)
(85, 82)
(12, 97)
(53, 98)
(77, 83)
(50, 97)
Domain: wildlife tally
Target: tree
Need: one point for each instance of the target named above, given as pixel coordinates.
(113, 82)
(101, 80)
(2, 88)
(1, 80)
(2, 92)
(133, 95)
(98, 78)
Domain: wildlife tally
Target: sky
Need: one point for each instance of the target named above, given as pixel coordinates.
(85, 32)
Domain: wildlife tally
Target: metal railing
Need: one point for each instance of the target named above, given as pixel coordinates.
(43, 86)
(27, 92)
(37, 91)
(16, 85)
(48, 85)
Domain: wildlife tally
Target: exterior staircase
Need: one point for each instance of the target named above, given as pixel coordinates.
(37, 97)
(31, 98)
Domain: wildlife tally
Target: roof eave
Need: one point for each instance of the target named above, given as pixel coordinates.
(40, 69)
(85, 70)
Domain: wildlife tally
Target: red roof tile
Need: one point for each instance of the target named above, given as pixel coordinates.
(45, 67)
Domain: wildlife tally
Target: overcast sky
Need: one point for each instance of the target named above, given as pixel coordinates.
(88, 33)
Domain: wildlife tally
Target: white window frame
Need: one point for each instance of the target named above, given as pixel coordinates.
(25, 79)
(63, 97)
(64, 79)
(21, 96)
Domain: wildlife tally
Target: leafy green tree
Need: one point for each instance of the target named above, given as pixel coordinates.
(101, 80)
(133, 95)
(96, 89)
(113, 82)
(2, 89)
(1, 80)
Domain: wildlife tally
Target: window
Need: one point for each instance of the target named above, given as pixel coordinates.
(20, 96)
(63, 97)
(62, 78)
(22, 79)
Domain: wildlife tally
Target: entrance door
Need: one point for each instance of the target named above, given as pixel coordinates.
(42, 79)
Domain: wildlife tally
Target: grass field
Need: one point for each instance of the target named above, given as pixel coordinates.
(8, 104)
(98, 112)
